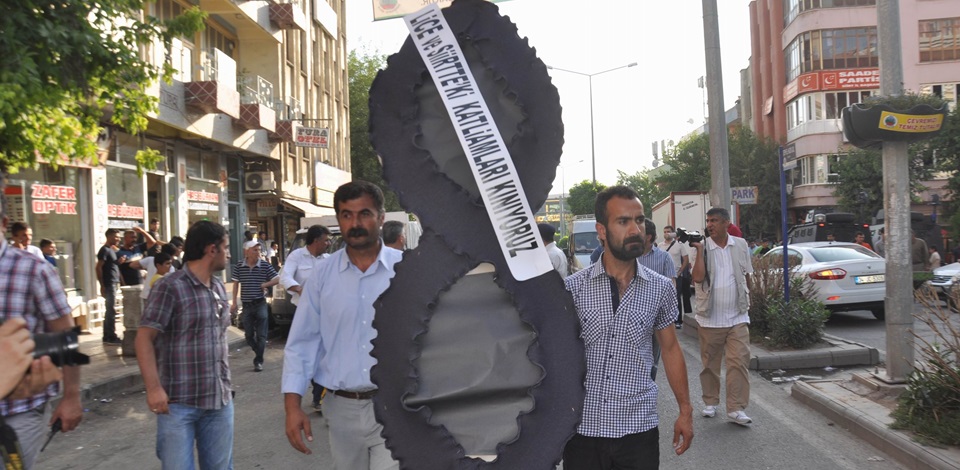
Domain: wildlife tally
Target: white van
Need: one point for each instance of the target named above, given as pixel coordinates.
(583, 238)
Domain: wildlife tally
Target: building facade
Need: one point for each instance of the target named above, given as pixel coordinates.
(258, 76)
(812, 58)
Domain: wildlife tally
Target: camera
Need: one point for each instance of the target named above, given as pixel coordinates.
(687, 236)
(63, 348)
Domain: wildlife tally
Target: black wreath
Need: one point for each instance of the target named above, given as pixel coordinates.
(425, 165)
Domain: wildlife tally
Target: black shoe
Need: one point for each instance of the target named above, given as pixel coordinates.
(678, 325)
(113, 340)
(258, 367)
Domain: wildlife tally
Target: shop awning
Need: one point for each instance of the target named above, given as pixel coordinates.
(308, 209)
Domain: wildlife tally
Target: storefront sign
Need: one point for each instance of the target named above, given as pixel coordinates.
(123, 211)
(828, 80)
(267, 207)
(744, 195)
(314, 137)
(49, 199)
(909, 122)
(14, 209)
(203, 196)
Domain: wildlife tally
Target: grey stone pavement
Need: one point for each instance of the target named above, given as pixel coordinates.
(843, 398)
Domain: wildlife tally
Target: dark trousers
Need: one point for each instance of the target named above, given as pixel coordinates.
(255, 324)
(685, 291)
(639, 451)
(317, 392)
(110, 318)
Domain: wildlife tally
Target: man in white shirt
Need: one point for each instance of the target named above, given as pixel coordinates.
(721, 276)
(300, 262)
(23, 238)
(681, 260)
(557, 258)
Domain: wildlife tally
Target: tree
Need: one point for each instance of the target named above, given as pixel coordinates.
(69, 64)
(944, 153)
(364, 162)
(861, 180)
(689, 164)
(582, 197)
(646, 186)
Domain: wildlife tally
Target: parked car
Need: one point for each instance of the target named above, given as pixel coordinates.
(847, 276)
(946, 280)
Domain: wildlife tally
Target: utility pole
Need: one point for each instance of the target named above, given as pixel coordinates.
(717, 125)
(898, 302)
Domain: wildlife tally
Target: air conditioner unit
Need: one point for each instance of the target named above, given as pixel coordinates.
(259, 181)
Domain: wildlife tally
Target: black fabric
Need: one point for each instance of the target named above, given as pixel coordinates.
(426, 167)
(110, 270)
(640, 451)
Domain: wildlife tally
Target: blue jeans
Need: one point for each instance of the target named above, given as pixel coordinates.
(211, 429)
(255, 328)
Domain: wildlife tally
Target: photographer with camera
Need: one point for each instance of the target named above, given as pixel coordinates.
(21, 374)
(32, 292)
(720, 279)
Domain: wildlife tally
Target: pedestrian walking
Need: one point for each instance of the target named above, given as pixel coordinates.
(679, 252)
(557, 258)
(251, 277)
(183, 356)
(622, 305)
(330, 338)
(721, 276)
(108, 274)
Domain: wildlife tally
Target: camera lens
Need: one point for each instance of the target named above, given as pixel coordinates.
(62, 347)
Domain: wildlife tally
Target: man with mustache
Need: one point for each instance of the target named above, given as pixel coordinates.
(622, 305)
(330, 338)
(721, 276)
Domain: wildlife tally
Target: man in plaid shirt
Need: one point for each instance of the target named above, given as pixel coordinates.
(30, 289)
(182, 353)
(622, 305)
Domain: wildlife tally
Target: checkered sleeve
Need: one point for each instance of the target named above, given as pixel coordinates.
(49, 295)
(158, 312)
(667, 312)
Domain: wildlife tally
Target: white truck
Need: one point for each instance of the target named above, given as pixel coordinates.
(682, 209)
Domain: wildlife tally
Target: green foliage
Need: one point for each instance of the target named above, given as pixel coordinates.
(930, 406)
(65, 63)
(689, 164)
(365, 164)
(647, 187)
(797, 324)
(766, 289)
(904, 101)
(582, 197)
(943, 151)
(861, 175)
(563, 243)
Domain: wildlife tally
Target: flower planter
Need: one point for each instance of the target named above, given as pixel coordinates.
(867, 127)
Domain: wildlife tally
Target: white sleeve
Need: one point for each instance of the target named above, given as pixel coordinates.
(303, 342)
(289, 270)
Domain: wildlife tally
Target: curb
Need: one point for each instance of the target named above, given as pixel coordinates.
(841, 353)
(868, 428)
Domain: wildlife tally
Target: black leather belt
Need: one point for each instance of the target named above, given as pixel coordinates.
(255, 301)
(356, 395)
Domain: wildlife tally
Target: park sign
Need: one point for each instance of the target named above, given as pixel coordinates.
(313, 137)
(744, 195)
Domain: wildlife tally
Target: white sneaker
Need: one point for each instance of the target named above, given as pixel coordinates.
(709, 412)
(739, 417)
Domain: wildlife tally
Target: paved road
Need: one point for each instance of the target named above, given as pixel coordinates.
(862, 327)
(120, 434)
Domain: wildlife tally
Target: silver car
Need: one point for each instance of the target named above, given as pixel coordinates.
(946, 280)
(847, 276)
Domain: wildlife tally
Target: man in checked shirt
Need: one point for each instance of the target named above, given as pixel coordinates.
(182, 352)
(622, 305)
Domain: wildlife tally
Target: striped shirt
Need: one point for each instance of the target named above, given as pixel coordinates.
(660, 262)
(251, 278)
(192, 345)
(621, 398)
(29, 289)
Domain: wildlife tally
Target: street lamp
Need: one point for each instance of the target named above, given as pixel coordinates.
(593, 150)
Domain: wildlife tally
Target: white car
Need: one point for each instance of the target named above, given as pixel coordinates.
(946, 280)
(847, 276)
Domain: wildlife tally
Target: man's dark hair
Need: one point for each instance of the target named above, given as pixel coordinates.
(110, 231)
(154, 221)
(546, 232)
(723, 213)
(315, 232)
(391, 231)
(262, 236)
(355, 189)
(247, 235)
(881, 230)
(665, 227)
(176, 241)
(18, 227)
(600, 206)
(161, 258)
(651, 229)
(202, 234)
(858, 234)
(169, 248)
(45, 243)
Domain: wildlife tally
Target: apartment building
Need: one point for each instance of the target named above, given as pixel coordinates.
(227, 125)
(812, 58)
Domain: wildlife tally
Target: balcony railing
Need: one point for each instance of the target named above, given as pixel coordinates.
(216, 89)
(288, 115)
(255, 89)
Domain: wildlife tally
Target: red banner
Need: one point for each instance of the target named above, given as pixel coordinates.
(827, 80)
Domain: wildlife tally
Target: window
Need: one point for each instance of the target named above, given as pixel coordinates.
(793, 8)
(836, 101)
(949, 92)
(847, 48)
(939, 40)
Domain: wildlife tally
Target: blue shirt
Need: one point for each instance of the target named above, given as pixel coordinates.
(330, 338)
(621, 398)
(660, 262)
